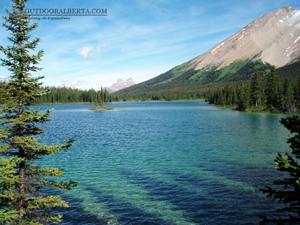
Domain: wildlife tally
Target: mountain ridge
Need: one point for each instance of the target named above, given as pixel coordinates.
(265, 35)
(271, 39)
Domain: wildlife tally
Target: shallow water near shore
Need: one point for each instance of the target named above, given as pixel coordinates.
(165, 163)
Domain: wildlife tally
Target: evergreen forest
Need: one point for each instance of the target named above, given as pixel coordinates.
(274, 90)
(272, 94)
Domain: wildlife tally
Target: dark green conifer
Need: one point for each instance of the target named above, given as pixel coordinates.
(288, 191)
(100, 99)
(297, 92)
(102, 93)
(247, 94)
(96, 99)
(278, 97)
(270, 87)
(273, 90)
(243, 101)
(288, 97)
(255, 92)
(235, 98)
(229, 100)
(21, 179)
(106, 94)
(263, 96)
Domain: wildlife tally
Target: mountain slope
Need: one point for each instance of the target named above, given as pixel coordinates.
(272, 39)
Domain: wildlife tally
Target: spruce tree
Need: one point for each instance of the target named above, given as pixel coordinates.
(229, 100)
(255, 89)
(247, 94)
(244, 96)
(21, 178)
(102, 93)
(235, 98)
(288, 191)
(278, 94)
(100, 99)
(96, 99)
(273, 90)
(242, 105)
(263, 96)
(288, 96)
(270, 87)
(297, 92)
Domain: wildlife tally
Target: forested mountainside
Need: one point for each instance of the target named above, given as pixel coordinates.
(272, 39)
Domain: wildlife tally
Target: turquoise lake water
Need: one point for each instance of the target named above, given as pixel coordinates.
(166, 163)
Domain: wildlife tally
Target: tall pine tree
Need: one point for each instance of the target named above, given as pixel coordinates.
(288, 97)
(297, 92)
(271, 87)
(21, 179)
(273, 90)
(255, 92)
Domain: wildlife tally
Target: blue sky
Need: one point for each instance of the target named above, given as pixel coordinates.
(139, 38)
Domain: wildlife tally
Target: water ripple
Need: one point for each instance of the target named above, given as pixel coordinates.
(165, 163)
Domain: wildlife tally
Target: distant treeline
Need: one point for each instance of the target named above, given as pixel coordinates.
(161, 96)
(271, 95)
(234, 92)
(69, 95)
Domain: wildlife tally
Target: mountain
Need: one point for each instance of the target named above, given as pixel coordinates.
(272, 39)
(121, 84)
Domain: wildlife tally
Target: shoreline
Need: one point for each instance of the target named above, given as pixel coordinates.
(255, 111)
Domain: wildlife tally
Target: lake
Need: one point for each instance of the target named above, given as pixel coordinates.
(165, 163)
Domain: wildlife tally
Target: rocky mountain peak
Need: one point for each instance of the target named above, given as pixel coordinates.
(120, 84)
(273, 38)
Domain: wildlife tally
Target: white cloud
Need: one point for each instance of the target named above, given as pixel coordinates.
(85, 52)
(156, 37)
(73, 84)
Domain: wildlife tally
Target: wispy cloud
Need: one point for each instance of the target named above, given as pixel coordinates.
(139, 40)
(85, 52)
